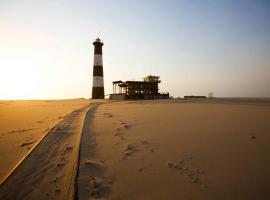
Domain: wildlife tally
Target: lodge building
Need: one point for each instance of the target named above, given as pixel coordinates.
(146, 89)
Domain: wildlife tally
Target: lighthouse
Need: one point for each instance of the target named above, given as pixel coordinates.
(98, 82)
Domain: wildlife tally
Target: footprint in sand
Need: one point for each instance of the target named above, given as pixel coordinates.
(55, 180)
(93, 182)
(68, 149)
(27, 142)
(129, 151)
(119, 134)
(108, 114)
(252, 136)
(60, 164)
(122, 127)
(195, 175)
(144, 142)
(98, 187)
(61, 117)
(90, 162)
(140, 169)
(20, 130)
(95, 167)
(57, 190)
(127, 126)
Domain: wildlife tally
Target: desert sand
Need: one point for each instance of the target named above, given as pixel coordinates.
(167, 149)
(24, 123)
(49, 171)
(180, 150)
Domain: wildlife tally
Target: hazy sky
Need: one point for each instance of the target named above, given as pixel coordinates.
(195, 46)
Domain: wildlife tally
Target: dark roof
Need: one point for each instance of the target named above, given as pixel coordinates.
(115, 82)
(124, 84)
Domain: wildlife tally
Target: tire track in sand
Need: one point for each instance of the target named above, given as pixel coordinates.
(49, 170)
(90, 182)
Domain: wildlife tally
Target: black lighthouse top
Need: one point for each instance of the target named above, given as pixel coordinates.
(98, 46)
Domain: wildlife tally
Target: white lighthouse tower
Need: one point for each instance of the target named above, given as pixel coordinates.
(98, 82)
